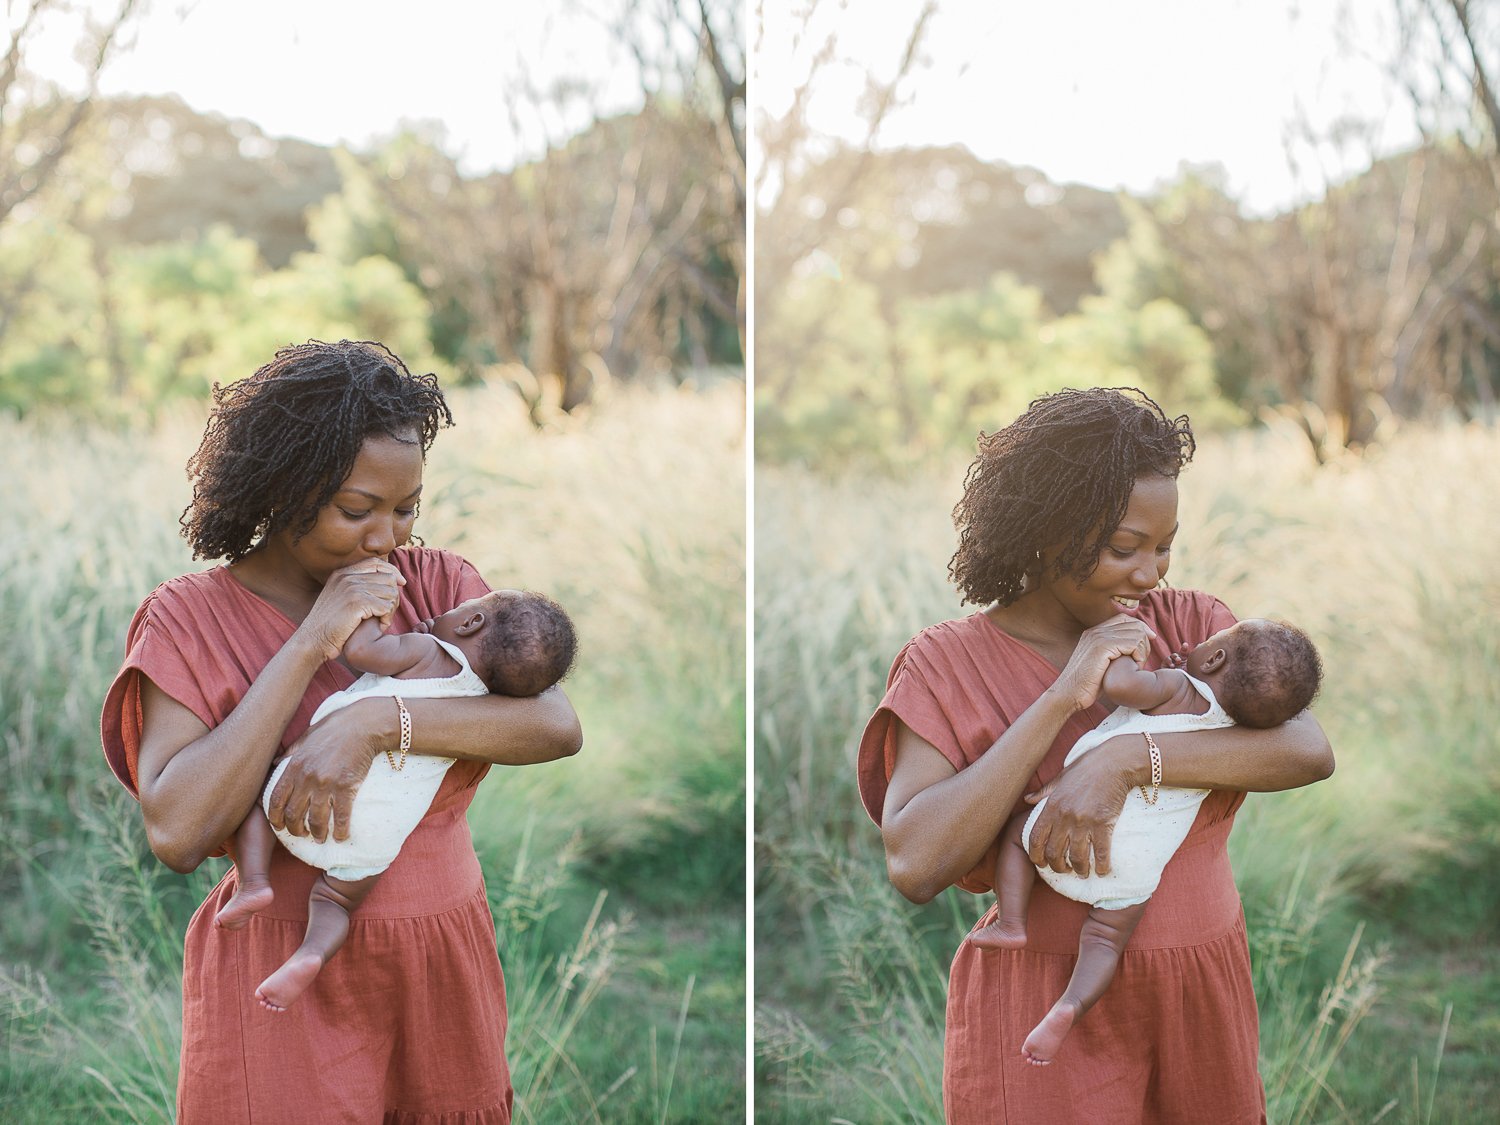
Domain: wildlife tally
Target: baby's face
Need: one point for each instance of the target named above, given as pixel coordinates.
(445, 625)
(1226, 639)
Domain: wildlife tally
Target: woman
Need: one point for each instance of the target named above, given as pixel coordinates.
(307, 482)
(1065, 533)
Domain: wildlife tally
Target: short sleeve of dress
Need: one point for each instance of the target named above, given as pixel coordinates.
(916, 690)
(158, 647)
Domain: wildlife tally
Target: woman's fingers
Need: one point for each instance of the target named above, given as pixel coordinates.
(318, 813)
(1078, 855)
(343, 806)
(1102, 837)
(1036, 847)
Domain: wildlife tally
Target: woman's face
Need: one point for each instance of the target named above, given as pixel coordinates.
(372, 512)
(1134, 559)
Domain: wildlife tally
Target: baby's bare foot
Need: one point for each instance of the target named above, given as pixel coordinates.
(278, 990)
(252, 896)
(1000, 934)
(1047, 1037)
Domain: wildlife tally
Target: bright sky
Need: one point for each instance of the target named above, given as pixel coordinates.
(351, 70)
(1104, 92)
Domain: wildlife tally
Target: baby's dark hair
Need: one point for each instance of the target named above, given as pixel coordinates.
(1273, 673)
(528, 644)
(1059, 476)
(279, 444)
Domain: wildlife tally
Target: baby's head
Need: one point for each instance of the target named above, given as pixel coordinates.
(517, 641)
(1263, 672)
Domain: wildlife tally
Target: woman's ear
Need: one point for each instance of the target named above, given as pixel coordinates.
(471, 624)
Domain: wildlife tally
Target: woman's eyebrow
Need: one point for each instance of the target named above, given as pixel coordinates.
(376, 497)
(1143, 535)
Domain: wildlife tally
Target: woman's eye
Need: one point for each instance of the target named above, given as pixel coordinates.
(406, 513)
(354, 515)
(1164, 549)
(1119, 554)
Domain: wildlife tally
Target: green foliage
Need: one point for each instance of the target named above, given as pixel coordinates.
(881, 382)
(150, 323)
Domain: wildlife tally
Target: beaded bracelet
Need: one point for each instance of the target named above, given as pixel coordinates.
(405, 747)
(1155, 751)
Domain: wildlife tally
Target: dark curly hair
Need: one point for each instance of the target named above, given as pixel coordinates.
(1058, 478)
(1273, 673)
(279, 444)
(528, 645)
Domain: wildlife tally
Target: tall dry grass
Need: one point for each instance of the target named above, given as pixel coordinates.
(633, 517)
(1387, 560)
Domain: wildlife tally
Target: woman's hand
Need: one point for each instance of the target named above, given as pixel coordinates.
(315, 794)
(1080, 680)
(371, 588)
(1078, 820)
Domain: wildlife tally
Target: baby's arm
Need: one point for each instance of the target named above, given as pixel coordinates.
(1129, 685)
(371, 649)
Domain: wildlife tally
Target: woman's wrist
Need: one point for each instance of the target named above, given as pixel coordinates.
(380, 717)
(1131, 756)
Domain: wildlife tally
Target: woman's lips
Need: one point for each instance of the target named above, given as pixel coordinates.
(1125, 604)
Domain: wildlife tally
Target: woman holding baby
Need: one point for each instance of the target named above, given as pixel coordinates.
(307, 483)
(1066, 527)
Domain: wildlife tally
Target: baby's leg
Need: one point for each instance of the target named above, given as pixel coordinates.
(1100, 943)
(328, 908)
(253, 841)
(1015, 875)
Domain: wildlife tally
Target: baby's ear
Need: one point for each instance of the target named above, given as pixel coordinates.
(471, 624)
(1216, 660)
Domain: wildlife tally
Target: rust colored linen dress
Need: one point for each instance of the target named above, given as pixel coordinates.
(406, 1025)
(1174, 1040)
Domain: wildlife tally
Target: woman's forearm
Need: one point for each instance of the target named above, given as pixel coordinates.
(1288, 756)
(502, 730)
(197, 784)
(935, 831)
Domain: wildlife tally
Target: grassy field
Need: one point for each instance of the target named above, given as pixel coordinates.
(1371, 898)
(617, 877)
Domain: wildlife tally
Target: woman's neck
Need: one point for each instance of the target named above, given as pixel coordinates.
(273, 575)
(1040, 622)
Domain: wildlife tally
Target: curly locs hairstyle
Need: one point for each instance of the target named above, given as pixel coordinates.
(279, 444)
(1058, 479)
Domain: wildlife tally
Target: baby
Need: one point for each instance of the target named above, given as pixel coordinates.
(1256, 673)
(509, 642)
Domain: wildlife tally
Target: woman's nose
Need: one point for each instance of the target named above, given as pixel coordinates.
(381, 538)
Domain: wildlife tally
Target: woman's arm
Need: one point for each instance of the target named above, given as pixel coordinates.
(937, 821)
(197, 783)
(1093, 788)
(315, 792)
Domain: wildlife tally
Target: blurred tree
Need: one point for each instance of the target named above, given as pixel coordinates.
(39, 121)
(619, 252)
(175, 173)
(899, 381)
(796, 214)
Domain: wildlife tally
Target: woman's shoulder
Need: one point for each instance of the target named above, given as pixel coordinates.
(426, 562)
(1184, 616)
(436, 579)
(185, 595)
(950, 635)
